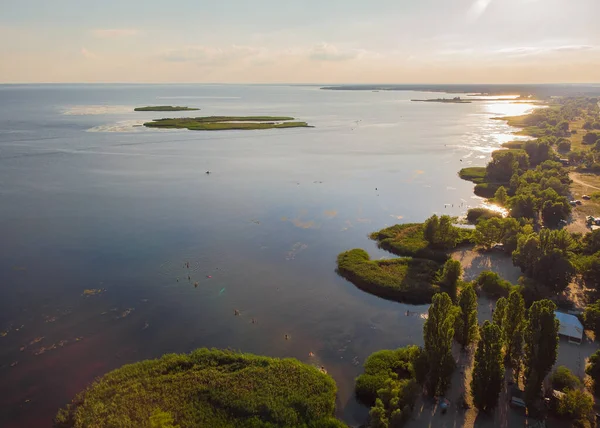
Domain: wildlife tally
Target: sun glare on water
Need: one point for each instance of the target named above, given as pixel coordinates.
(495, 208)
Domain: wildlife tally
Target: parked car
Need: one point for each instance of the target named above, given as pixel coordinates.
(586, 197)
(578, 202)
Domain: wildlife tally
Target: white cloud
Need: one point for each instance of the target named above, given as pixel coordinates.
(327, 52)
(88, 54)
(478, 8)
(107, 33)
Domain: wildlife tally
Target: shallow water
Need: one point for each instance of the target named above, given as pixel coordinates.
(123, 208)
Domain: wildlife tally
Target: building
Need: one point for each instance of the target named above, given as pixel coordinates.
(569, 327)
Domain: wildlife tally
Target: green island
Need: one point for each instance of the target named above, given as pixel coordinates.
(222, 123)
(165, 108)
(208, 388)
(455, 100)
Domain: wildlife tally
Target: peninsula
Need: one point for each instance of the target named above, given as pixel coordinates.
(165, 108)
(223, 123)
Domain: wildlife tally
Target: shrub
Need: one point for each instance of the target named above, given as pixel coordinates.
(475, 214)
(492, 284)
(562, 378)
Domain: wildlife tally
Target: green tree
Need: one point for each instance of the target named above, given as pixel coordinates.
(501, 197)
(512, 326)
(438, 333)
(555, 211)
(451, 275)
(488, 370)
(589, 266)
(491, 284)
(431, 229)
(591, 138)
(541, 347)
(593, 371)
(447, 234)
(591, 318)
(465, 329)
(524, 205)
(497, 230)
(546, 257)
(505, 163)
(500, 312)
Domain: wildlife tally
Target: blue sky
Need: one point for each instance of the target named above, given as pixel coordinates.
(266, 41)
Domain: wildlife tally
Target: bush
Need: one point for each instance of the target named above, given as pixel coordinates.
(562, 378)
(492, 284)
(577, 405)
(207, 388)
(591, 137)
(475, 214)
(593, 371)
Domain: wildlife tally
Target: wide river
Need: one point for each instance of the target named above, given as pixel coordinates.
(90, 201)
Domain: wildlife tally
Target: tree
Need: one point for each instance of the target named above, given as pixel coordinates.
(501, 196)
(505, 163)
(555, 211)
(589, 266)
(591, 138)
(593, 371)
(538, 151)
(500, 312)
(451, 276)
(438, 333)
(488, 370)
(431, 228)
(377, 416)
(465, 329)
(546, 257)
(562, 378)
(523, 205)
(564, 146)
(160, 419)
(439, 232)
(512, 326)
(541, 347)
(497, 230)
(591, 318)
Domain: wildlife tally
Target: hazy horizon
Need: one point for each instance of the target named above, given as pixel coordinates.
(463, 41)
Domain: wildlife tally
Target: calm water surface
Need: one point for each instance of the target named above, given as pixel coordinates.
(90, 201)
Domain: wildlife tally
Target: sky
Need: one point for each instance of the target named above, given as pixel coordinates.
(303, 41)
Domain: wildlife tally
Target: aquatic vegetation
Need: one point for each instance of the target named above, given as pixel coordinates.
(209, 388)
(404, 279)
(92, 292)
(164, 108)
(222, 123)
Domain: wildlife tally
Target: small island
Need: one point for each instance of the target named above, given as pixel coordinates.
(223, 123)
(208, 388)
(165, 108)
(455, 100)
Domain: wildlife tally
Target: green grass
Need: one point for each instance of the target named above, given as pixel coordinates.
(207, 388)
(476, 174)
(164, 108)
(404, 279)
(222, 123)
(407, 240)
